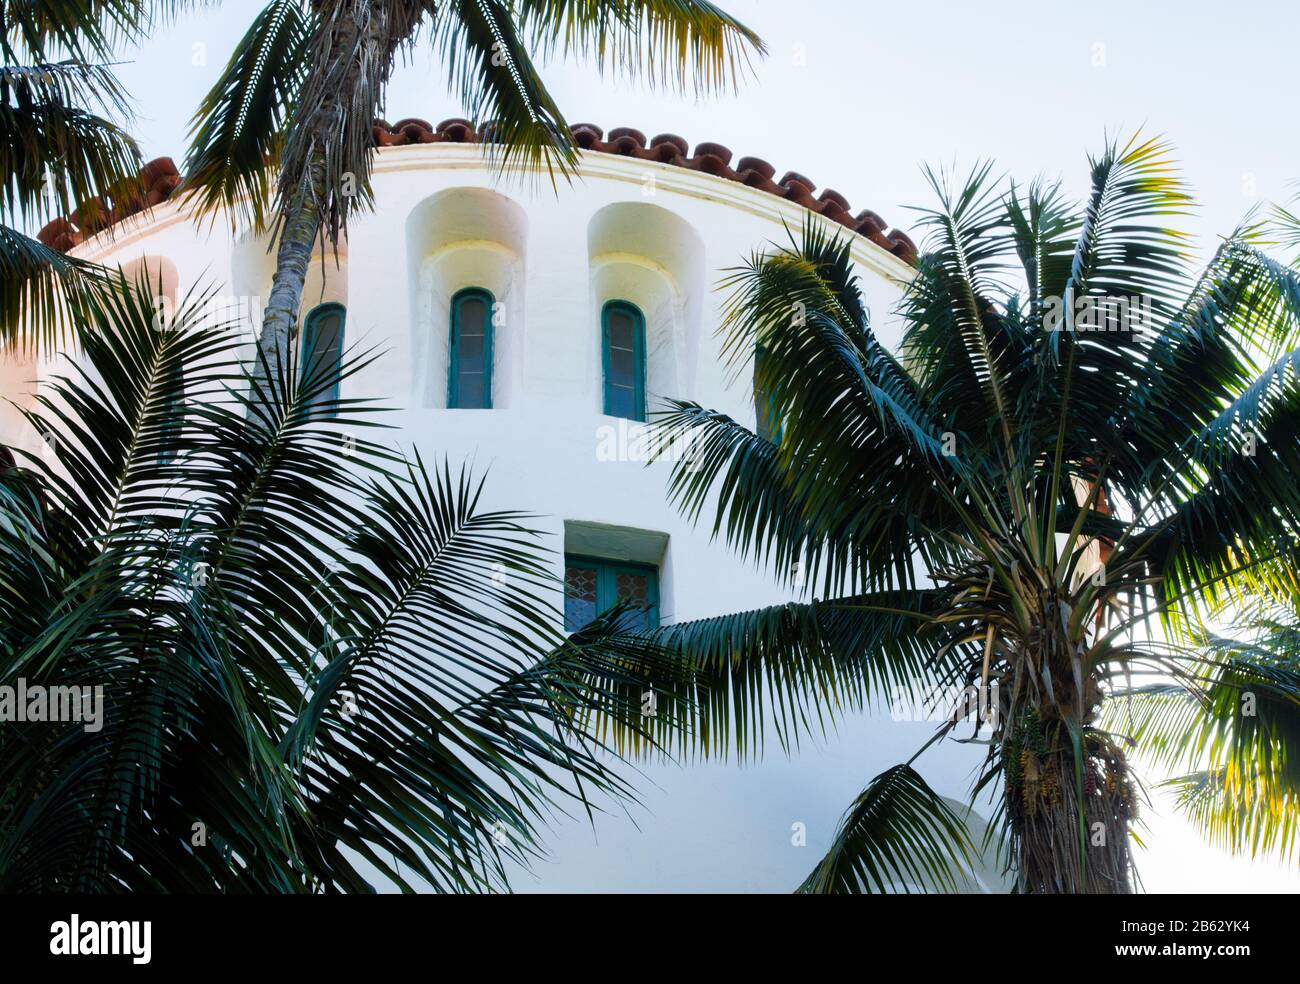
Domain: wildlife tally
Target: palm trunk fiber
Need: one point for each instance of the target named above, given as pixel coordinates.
(325, 155)
(1056, 847)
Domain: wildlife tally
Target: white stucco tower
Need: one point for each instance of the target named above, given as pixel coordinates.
(601, 293)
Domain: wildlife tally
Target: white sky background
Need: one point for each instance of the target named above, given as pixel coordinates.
(856, 94)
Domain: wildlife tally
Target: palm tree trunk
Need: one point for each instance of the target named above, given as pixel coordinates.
(1057, 848)
(298, 238)
(352, 57)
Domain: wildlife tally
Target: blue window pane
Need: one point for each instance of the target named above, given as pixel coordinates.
(621, 328)
(622, 366)
(621, 402)
(623, 341)
(634, 589)
(471, 390)
(322, 354)
(169, 432)
(473, 316)
(471, 351)
(579, 596)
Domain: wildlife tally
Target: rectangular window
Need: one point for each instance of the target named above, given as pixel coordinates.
(592, 587)
(169, 432)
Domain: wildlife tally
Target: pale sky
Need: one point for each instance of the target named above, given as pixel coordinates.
(857, 94)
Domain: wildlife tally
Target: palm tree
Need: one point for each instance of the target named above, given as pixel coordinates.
(319, 660)
(1079, 442)
(303, 88)
(59, 148)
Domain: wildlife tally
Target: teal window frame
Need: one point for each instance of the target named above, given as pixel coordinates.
(453, 362)
(767, 423)
(308, 347)
(607, 572)
(173, 422)
(638, 357)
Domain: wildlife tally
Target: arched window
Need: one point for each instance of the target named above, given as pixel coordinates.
(623, 356)
(470, 384)
(767, 424)
(169, 431)
(322, 353)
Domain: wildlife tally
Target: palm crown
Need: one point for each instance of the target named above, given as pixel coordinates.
(1050, 468)
(302, 87)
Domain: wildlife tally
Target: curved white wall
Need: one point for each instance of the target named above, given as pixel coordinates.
(551, 259)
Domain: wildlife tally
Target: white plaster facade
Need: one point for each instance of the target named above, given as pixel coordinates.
(645, 232)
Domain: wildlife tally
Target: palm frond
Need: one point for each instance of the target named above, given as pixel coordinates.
(1245, 814)
(1233, 720)
(957, 344)
(1119, 254)
(57, 155)
(860, 424)
(492, 75)
(670, 41)
(898, 836)
(799, 667)
(237, 133)
(85, 29)
(41, 288)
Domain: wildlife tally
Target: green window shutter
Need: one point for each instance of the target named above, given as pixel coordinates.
(623, 360)
(593, 586)
(469, 382)
(322, 356)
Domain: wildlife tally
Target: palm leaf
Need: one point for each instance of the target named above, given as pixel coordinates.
(898, 835)
(667, 40)
(237, 133)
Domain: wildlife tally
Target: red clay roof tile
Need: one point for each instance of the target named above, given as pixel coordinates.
(160, 179)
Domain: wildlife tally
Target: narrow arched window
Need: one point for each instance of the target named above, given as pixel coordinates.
(623, 356)
(470, 384)
(322, 355)
(173, 415)
(767, 423)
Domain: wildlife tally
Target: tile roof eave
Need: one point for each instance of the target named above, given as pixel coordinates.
(668, 148)
(160, 178)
